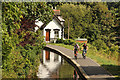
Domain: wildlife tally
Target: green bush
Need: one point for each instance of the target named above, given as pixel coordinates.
(113, 52)
(59, 40)
(66, 42)
(71, 42)
(99, 44)
(22, 62)
(114, 48)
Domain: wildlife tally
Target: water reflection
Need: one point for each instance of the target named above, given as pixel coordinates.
(119, 59)
(50, 63)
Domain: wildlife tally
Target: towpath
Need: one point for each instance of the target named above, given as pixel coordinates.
(89, 68)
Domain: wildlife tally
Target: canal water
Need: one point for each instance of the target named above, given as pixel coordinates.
(54, 66)
(119, 59)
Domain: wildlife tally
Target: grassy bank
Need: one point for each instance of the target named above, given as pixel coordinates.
(110, 65)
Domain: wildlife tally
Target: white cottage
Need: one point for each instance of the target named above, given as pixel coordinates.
(54, 29)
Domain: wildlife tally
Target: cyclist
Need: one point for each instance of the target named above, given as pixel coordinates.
(76, 47)
(84, 48)
(75, 75)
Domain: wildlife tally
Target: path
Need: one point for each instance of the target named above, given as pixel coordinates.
(88, 67)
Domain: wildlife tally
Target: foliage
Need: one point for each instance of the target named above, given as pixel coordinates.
(93, 23)
(68, 42)
(59, 40)
(22, 62)
(70, 13)
(99, 44)
(98, 22)
(21, 45)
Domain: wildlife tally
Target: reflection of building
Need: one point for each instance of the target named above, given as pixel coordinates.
(50, 58)
(47, 55)
(51, 63)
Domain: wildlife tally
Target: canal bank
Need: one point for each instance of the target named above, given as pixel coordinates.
(88, 67)
(71, 61)
(54, 66)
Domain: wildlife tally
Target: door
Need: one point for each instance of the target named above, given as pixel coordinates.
(47, 35)
(47, 55)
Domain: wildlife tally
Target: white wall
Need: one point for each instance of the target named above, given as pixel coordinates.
(44, 59)
(53, 25)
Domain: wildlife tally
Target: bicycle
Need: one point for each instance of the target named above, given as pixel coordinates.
(84, 53)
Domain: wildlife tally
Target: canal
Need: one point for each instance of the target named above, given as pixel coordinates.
(54, 66)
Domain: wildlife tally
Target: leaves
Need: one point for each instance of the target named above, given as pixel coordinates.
(20, 44)
(89, 20)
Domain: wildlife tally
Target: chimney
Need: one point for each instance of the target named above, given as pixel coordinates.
(57, 12)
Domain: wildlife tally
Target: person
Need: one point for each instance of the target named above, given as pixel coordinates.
(85, 48)
(75, 49)
(75, 75)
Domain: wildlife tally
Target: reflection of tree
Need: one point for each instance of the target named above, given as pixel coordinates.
(119, 59)
(116, 69)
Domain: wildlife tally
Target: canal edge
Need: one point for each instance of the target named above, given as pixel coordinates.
(74, 62)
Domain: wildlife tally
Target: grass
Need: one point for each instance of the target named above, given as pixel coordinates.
(108, 64)
(100, 58)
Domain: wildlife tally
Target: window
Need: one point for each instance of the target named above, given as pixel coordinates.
(56, 33)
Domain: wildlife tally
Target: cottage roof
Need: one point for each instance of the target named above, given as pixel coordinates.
(57, 12)
(59, 20)
(57, 17)
(38, 23)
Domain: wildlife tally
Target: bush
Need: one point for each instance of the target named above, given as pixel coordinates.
(59, 40)
(22, 62)
(71, 42)
(66, 42)
(99, 44)
(113, 52)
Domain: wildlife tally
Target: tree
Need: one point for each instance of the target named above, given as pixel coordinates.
(90, 20)
(76, 15)
(21, 60)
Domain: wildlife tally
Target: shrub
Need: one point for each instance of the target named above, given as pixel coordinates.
(99, 44)
(71, 42)
(66, 42)
(59, 40)
(22, 62)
